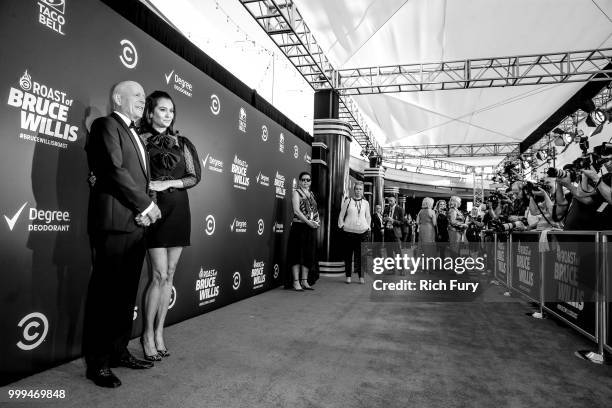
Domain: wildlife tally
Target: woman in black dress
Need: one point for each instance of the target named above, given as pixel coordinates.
(442, 221)
(174, 167)
(302, 237)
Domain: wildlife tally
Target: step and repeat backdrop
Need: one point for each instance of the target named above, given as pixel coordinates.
(57, 71)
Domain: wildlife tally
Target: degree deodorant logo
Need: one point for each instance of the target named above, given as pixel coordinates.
(40, 220)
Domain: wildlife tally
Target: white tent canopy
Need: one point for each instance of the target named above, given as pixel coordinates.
(363, 33)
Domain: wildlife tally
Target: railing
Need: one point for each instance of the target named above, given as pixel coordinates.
(567, 274)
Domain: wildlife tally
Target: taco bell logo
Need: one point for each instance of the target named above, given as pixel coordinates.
(242, 120)
(51, 14)
(281, 143)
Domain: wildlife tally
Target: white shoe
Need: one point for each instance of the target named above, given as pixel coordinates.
(361, 280)
(348, 279)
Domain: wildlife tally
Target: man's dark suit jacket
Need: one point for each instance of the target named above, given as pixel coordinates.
(398, 220)
(377, 227)
(121, 189)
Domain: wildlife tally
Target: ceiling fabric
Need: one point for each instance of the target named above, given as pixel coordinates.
(361, 33)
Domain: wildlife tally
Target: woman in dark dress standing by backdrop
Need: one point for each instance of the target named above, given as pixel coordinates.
(174, 167)
(302, 236)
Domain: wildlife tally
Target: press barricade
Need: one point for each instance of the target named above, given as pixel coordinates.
(566, 274)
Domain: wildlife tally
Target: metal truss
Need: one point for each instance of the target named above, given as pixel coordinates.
(561, 67)
(457, 150)
(568, 124)
(284, 24)
(400, 160)
(478, 189)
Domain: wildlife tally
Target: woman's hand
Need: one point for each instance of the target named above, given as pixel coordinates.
(91, 179)
(313, 224)
(159, 185)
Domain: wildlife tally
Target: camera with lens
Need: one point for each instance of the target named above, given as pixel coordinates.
(500, 226)
(529, 187)
(496, 197)
(567, 171)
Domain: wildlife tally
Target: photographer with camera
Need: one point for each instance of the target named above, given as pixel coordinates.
(577, 209)
(601, 182)
(539, 213)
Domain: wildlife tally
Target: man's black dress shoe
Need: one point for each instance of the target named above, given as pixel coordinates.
(132, 362)
(103, 377)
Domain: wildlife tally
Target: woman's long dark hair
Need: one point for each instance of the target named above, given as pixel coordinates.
(150, 104)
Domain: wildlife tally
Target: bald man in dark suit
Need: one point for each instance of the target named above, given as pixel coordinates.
(119, 209)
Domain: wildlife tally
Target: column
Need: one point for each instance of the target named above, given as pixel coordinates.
(330, 177)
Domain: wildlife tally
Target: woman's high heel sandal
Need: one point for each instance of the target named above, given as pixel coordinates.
(296, 285)
(305, 285)
(154, 357)
(163, 353)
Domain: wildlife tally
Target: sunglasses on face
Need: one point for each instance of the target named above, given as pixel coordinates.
(305, 180)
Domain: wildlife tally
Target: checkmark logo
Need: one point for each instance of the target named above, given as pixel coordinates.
(232, 225)
(11, 221)
(205, 160)
(169, 76)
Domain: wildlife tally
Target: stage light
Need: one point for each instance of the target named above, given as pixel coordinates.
(541, 155)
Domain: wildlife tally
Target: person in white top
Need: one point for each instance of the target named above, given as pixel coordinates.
(355, 221)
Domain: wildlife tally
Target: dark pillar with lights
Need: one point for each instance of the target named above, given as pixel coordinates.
(375, 176)
(330, 176)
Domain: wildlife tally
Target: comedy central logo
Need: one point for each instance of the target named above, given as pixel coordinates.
(238, 225)
(215, 104)
(172, 298)
(263, 179)
(239, 169)
(209, 224)
(129, 55)
(260, 227)
(41, 220)
(264, 133)
(276, 271)
(257, 274)
(236, 280)
(296, 151)
(51, 14)
(35, 328)
(242, 120)
(179, 83)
